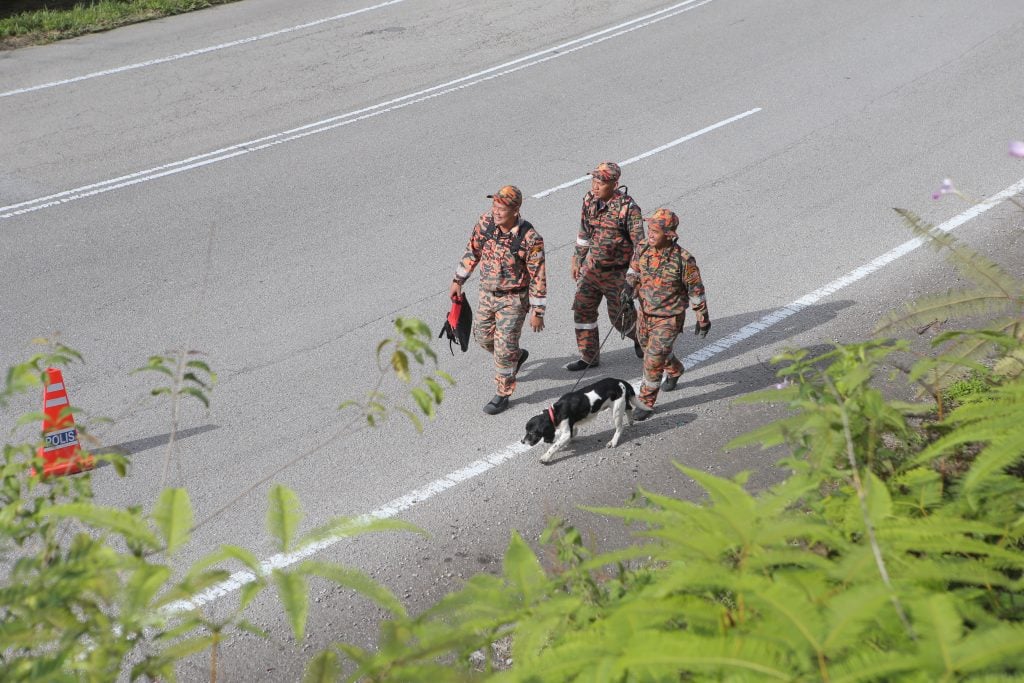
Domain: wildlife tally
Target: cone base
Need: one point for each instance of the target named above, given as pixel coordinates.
(60, 468)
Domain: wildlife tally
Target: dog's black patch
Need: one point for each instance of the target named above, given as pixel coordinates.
(577, 407)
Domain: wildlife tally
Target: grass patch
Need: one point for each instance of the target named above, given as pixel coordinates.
(34, 22)
(973, 385)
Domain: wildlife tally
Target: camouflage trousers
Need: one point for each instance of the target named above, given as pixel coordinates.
(497, 326)
(592, 286)
(657, 335)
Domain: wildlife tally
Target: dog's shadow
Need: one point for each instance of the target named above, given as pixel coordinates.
(594, 442)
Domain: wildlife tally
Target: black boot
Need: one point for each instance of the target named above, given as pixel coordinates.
(498, 404)
(523, 355)
(580, 364)
(638, 350)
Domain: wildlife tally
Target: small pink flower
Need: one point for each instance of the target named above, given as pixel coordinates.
(784, 384)
(1017, 149)
(946, 188)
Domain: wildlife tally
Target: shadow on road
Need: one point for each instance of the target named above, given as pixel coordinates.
(621, 362)
(139, 445)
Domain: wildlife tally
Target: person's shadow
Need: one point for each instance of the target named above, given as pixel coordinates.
(728, 384)
(622, 362)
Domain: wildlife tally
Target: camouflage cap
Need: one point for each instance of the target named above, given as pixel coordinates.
(607, 171)
(665, 219)
(510, 195)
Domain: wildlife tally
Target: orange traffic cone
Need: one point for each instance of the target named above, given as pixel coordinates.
(61, 452)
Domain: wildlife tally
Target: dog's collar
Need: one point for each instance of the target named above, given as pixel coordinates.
(551, 414)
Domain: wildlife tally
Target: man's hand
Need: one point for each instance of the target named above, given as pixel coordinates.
(537, 321)
(575, 272)
(455, 291)
(702, 328)
(626, 296)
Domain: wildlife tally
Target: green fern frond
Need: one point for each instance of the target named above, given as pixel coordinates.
(969, 263)
(997, 646)
(949, 306)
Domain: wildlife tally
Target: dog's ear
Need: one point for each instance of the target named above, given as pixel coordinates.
(549, 429)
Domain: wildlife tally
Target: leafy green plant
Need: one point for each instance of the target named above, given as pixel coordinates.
(996, 295)
(188, 376)
(861, 566)
(87, 588)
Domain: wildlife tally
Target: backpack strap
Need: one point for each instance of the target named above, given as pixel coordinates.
(624, 211)
(517, 241)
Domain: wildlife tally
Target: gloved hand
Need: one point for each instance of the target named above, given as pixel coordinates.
(702, 328)
(626, 296)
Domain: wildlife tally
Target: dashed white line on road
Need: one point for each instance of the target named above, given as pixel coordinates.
(196, 52)
(475, 469)
(652, 152)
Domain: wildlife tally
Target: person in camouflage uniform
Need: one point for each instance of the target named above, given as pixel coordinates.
(611, 226)
(513, 280)
(666, 280)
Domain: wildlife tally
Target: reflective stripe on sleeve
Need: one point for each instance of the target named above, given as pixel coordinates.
(631, 272)
(648, 383)
(538, 301)
(505, 371)
(586, 326)
(582, 243)
(462, 272)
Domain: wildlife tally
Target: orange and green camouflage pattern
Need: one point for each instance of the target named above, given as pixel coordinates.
(586, 305)
(657, 336)
(500, 270)
(603, 252)
(607, 171)
(601, 241)
(667, 280)
(497, 328)
(510, 195)
(665, 219)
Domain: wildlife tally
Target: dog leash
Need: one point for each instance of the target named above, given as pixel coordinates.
(600, 346)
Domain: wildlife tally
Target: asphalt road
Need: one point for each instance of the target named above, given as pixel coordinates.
(277, 202)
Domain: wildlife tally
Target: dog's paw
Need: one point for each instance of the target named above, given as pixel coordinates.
(611, 444)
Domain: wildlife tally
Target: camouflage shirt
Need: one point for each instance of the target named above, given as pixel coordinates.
(500, 270)
(602, 238)
(667, 280)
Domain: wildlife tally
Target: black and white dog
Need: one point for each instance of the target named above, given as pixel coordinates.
(558, 423)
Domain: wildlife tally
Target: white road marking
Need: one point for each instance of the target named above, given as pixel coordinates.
(474, 469)
(669, 145)
(194, 53)
(388, 510)
(240, 149)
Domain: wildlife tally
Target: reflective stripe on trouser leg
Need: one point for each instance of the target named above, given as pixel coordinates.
(658, 335)
(621, 318)
(584, 314)
(509, 315)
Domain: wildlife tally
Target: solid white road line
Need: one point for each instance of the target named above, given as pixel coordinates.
(474, 469)
(194, 53)
(240, 149)
(654, 151)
